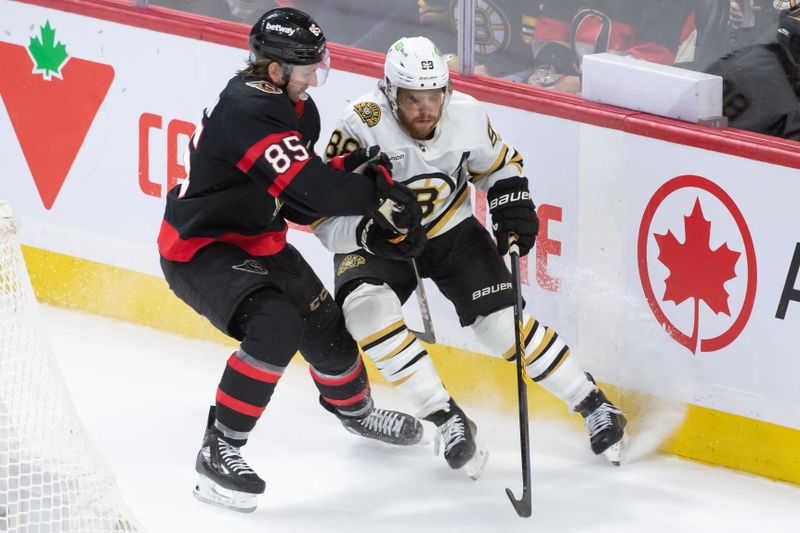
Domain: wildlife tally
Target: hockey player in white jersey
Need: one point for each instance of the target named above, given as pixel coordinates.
(438, 141)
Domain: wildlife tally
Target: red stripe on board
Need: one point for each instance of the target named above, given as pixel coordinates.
(339, 380)
(238, 405)
(252, 372)
(349, 401)
(502, 92)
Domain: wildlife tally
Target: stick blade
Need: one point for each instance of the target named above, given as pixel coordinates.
(424, 337)
(521, 506)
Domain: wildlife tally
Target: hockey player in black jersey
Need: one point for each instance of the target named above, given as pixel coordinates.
(223, 249)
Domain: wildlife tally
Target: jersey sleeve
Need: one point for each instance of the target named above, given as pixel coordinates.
(494, 159)
(338, 233)
(277, 157)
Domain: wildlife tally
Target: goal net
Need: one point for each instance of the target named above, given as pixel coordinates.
(51, 479)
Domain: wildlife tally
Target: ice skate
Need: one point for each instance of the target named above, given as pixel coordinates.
(224, 478)
(458, 435)
(391, 427)
(605, 423)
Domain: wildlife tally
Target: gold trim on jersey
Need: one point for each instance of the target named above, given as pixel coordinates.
(516, 160)
(477, 176)
(316, 223)
(369, 112)
(447, 215)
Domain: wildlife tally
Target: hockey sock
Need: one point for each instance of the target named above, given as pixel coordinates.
(243, 393)
(374, 317)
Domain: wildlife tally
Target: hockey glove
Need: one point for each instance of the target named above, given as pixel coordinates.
(513, 212)
(390, 244)
(397, 204)
(357, 160)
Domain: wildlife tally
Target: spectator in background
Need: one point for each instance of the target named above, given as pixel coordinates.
(567, 30)
(503, 33)
(752, 22)
(761, 85)
(246, 11)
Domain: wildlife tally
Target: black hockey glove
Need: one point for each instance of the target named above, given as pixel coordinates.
(387, 243)
(357, 160)
(397, 204)
(513, 212)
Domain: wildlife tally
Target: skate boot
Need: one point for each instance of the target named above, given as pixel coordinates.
(458, 435)
(391, 427)
(605, 423)
(224, 478)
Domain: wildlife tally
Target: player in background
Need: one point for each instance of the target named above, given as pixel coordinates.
(440, 140)
(251, 167)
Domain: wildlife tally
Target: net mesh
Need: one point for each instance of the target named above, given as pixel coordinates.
(51, 479)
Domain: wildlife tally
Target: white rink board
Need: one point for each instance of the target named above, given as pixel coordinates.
(599, 180)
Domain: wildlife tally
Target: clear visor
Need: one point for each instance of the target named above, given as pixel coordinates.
(313, 75)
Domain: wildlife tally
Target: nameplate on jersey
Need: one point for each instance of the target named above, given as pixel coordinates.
(369, 112)
(265, 86)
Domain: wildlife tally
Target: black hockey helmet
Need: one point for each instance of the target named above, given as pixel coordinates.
(288, 35)
(789, 32)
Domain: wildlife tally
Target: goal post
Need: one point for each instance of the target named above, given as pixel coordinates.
(51, 478)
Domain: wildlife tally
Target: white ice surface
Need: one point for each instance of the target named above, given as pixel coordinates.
(143, 397)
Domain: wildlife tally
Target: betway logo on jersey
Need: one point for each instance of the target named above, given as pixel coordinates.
(508, 198)
(280, 29)
(486, 291)
(51, 99)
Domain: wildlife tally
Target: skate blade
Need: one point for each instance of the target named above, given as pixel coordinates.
(614, 452)
(209, 492)
(474, 467)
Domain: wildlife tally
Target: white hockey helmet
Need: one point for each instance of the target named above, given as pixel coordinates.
(415, 63)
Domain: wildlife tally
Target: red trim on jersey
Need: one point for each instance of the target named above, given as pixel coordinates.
(257, 150)
(252, 372)
(238, 405)
(299, 107)
(338, 380)
(282, 180)
(351, 400)
(337, 163)
(174, 248)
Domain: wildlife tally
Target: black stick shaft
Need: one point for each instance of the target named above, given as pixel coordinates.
(523, 505)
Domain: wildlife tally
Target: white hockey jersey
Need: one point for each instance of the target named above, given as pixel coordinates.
(464, 149)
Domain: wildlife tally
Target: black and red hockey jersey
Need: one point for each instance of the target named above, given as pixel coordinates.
(251, 165)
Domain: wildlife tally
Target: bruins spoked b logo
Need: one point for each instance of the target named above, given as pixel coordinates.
(369, 112)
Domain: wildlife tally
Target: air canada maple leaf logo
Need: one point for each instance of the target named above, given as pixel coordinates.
(698, 270)
(52, 99)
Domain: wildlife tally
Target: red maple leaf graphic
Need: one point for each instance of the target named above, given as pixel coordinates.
(696, 271)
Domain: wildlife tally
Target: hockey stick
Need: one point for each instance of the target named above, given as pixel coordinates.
(427, 336)
(523, 505)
